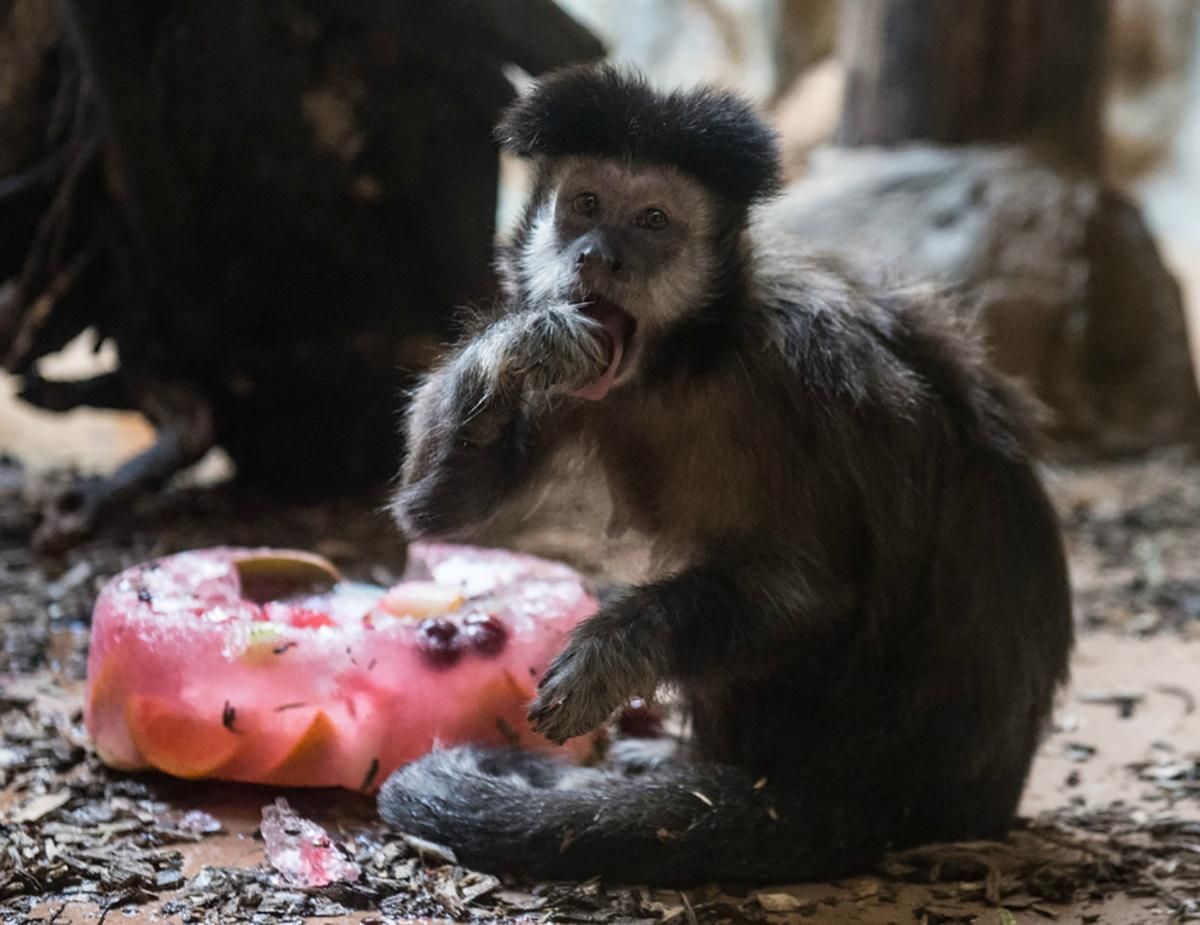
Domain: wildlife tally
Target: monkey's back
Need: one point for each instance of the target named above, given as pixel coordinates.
(876, 446)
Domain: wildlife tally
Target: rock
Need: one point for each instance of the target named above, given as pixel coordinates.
(1061, 273)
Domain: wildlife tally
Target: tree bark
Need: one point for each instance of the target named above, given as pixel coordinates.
(967, 71)
(273, 209)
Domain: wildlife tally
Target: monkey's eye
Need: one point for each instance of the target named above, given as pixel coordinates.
(585, 203)
(654, 219)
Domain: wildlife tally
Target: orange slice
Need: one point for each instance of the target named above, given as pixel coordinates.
(305, 762)
(104, 707)
(178, 740)
(498, 714)
(104, 690)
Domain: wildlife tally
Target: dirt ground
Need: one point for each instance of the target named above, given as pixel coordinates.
(1110, 828)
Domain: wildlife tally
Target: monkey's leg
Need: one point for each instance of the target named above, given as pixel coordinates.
(185, 433)
(730, 611)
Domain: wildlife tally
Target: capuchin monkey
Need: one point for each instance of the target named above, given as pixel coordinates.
(860, 591)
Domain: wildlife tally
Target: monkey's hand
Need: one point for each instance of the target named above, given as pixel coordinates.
(555, 349)
(472, 423)
(602, 666)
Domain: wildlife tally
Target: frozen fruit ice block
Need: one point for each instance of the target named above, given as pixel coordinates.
(263, 665)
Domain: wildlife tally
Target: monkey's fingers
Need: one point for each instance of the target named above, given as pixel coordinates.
(565, 711)
(539, 717)
(552, 673)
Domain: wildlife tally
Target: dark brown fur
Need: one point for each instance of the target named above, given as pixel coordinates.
(861, 592)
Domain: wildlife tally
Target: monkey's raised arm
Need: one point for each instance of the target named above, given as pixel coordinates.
(479, 424)
(735, 610)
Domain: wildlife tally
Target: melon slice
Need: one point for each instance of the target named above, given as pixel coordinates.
(266, 575)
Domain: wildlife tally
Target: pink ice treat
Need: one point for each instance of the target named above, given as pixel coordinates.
(263, 665)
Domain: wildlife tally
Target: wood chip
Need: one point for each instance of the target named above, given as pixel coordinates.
(782, 902)
(430, 852)
(41, 806)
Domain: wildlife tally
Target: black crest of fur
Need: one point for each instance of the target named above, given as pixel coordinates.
(713, 135)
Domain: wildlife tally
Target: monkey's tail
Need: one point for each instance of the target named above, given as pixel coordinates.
(679, 824)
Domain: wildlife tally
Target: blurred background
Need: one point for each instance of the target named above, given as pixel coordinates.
(245, 225)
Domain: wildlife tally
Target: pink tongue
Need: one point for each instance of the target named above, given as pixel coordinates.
(614, 339)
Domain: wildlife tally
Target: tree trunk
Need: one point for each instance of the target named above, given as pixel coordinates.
(272, 208)
(968, 71)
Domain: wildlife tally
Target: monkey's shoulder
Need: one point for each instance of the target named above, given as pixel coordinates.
(904, 353)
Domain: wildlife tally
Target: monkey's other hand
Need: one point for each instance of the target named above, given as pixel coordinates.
(589, 679)
(557, 349)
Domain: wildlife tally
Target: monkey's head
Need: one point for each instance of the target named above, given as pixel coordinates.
(640, 200)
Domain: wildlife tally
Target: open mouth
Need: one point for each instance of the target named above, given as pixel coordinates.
(615, 334)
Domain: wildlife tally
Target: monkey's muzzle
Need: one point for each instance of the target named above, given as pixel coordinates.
(615, 332)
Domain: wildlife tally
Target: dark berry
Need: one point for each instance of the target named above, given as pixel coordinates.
(439, 642)
(485, 633)
(639, 721)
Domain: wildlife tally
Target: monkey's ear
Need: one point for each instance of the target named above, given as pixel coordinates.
(605, 111)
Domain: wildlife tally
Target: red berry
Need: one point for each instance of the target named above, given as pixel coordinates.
(303, 618)
(485, 633)
(438, 640)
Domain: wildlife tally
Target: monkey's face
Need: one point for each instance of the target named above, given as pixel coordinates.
(631, 245)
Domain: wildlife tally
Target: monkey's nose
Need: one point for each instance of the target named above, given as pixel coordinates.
(594, 258)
